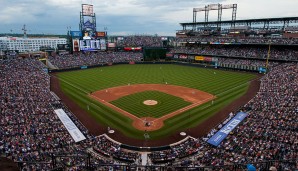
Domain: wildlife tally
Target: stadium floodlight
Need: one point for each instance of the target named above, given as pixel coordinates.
(219, 8)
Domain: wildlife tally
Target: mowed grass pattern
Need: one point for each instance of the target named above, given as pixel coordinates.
(226, 85)
(166, 104)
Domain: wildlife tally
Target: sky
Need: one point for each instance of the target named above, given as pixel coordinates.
(128, 17)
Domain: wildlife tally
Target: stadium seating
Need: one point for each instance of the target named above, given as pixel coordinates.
(31, 132)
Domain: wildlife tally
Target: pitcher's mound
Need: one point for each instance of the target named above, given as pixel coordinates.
(150, 102)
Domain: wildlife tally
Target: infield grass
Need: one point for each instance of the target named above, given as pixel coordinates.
(226, 85)
(166, 104)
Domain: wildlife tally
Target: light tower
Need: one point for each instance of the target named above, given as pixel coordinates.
(219, 8)
(25, 31)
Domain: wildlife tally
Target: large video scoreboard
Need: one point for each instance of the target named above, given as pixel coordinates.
(89, 45)
(92, 45)
(84, 41)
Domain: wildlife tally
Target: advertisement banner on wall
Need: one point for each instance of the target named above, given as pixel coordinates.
(192, 57)
(219, 136)
(169, 55)
(209, 59)
(214, 59)
(199, 58)
(182, 56)
(71, 127)
(262, 70)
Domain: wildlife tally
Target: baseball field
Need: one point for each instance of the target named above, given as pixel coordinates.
(159, 99)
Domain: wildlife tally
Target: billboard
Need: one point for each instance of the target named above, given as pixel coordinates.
(87, 10)
(90, 45)
(101, 34)
(76, 33)
(75, 45)
(111, 45)
(103, 45)
(64, 47)
(219, 136)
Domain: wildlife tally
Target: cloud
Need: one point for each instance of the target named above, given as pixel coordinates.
(128, 16)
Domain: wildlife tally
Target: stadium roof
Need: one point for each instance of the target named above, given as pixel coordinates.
(285, 21)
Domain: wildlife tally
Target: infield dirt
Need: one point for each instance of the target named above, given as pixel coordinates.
(194, 96)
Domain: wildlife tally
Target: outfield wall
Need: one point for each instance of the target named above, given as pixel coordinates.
(156, 62)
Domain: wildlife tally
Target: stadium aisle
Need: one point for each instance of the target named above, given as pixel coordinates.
(144, 157)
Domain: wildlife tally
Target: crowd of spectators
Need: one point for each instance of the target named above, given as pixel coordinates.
(89, 59)
(180, 150)
(140, 41)
(30, 131)
(247, 40)
(269, 132)
(239, 51)
(112, 149)
(245, 62)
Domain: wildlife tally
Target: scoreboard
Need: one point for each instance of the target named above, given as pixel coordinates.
(92, 45)
(89, 45)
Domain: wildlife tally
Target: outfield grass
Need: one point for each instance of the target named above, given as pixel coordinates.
(227, 86)
(166, 104)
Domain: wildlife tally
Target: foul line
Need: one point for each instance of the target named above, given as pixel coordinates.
(100, 100)
(71, 85)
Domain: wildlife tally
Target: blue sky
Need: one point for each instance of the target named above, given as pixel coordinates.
(126, 17)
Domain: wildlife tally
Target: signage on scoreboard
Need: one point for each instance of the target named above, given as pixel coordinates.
(89, 45)
(87, 10)
(88, 25)
(75, 45)
(76, 33)
(103, 45)
(100, 34)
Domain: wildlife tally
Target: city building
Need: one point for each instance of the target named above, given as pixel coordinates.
(21, 44)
